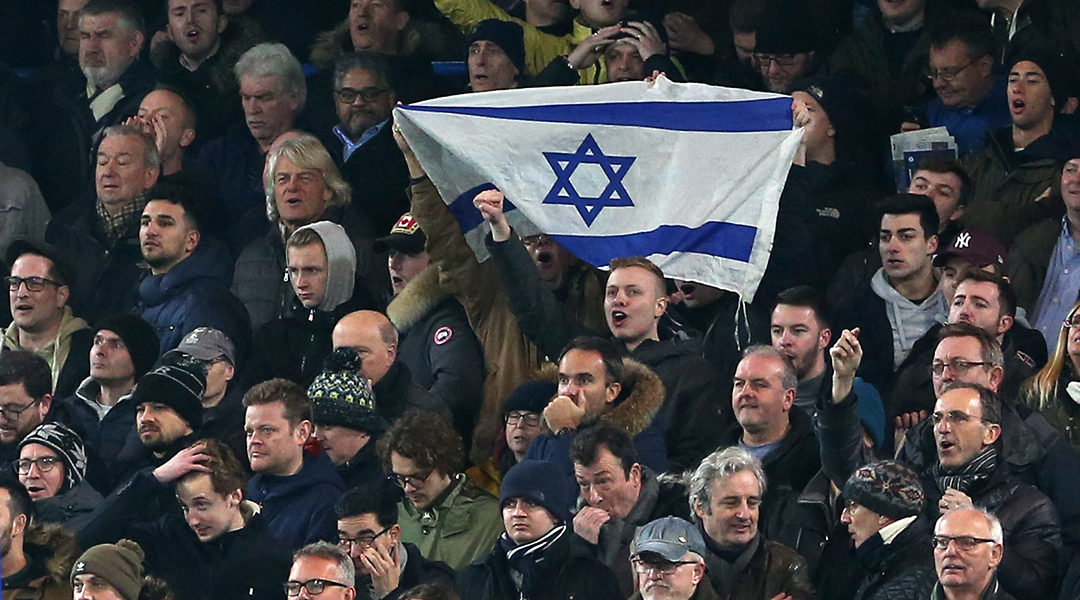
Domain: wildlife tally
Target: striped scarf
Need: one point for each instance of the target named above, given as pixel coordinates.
(969, 476)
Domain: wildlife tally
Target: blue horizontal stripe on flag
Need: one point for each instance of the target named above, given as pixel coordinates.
(721, 239)
(735, 116)
(466, 214)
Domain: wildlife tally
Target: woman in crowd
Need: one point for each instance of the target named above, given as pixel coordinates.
(1055, 390)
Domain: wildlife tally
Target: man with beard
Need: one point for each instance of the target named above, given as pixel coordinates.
(801, 330)
(25, 399)
(362, 143)
(188, 285)
(168, 411)
(34, 561)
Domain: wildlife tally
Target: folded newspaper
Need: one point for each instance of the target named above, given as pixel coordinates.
(910, 147)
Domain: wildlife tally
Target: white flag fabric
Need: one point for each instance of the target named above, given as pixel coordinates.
(686, 175)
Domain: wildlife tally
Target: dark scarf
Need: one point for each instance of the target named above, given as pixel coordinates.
(726, 564)
(527, 560)
(969, 476)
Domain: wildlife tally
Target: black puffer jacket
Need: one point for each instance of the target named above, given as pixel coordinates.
(901, 570)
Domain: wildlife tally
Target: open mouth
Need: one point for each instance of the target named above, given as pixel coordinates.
(397, 280)
(618, 318)
(946, 445)
(1017, 106)
(192, 34)
(543, 258)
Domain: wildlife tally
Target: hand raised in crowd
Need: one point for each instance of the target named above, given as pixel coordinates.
(490, 205)
(645, 38)
(591, 48)
(154, 126)
(384, 565)
(183, 462)
(846, 356)
(954, 499)
(588, 521)
(565, 412)
(685, 34)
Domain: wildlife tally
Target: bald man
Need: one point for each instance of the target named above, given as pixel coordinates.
(375, 340)
(164, 116)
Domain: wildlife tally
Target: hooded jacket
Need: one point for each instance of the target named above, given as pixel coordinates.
(50, 552)
(195, 293)
(459, 526)
(295, 347)
(71, 509)
(634, 412)
(865, 307)
(68, 356)
(439, 346)
(299, 509)
(909, 321)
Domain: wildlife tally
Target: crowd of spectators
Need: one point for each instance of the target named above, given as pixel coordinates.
(249, 352)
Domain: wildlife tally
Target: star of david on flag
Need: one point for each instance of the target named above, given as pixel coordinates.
(686, 175)
(565, 164)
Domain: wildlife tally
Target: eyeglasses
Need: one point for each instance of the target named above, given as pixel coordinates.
(954, 417)
(781, 60)
(368, 94)
(362, 540)
(416, 480)
(44, 464)
(33, 284)
(530, 419)
(964, 542)
(956, 365)
(948, 73)
(663, 568)
(13, 414)
(1070, 323)
(535, 240)
(313, 587)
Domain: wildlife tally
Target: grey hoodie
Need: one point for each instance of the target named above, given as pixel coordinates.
(340, 263)
(909, 321)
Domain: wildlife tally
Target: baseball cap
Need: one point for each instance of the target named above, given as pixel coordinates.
(405, 236)
(976, 247)
(207, 343)
(670, 537)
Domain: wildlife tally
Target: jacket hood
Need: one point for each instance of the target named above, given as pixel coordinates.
(210, 261)
(643, 394)
(909, 320)
(55, 546)
(420, 297)
(340, 263)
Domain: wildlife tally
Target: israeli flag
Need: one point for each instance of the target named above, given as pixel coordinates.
(687, 175)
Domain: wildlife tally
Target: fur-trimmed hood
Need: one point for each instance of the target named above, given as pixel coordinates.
(641, 397)
(56, 546)
(420, 296)
(418, 38)
(635, 407)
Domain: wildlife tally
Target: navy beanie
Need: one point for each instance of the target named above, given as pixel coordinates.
(541, 483)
